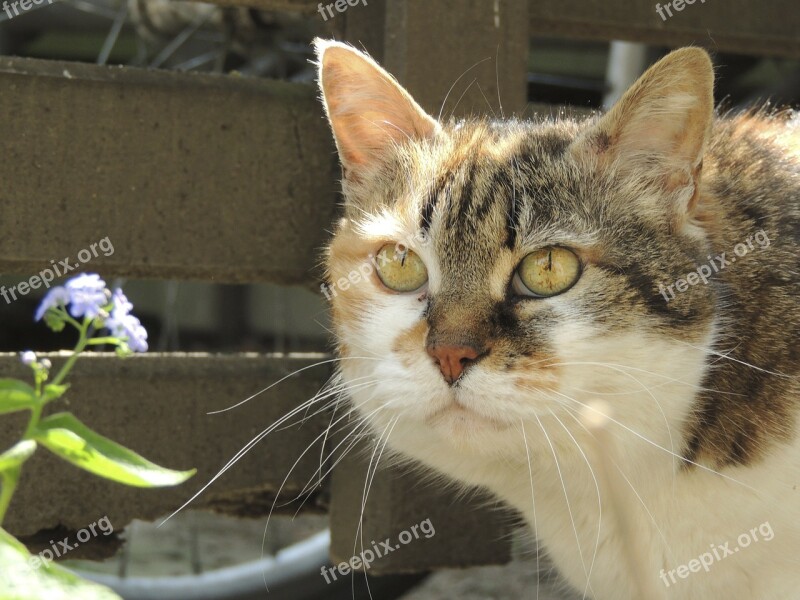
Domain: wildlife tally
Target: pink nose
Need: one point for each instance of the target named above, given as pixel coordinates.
(452, 360)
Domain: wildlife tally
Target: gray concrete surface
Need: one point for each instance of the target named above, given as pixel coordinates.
(157, 405)
(190, 176)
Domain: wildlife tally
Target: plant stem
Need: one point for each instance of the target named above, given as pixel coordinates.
(10, 477)
(102, 340)
(82, 343)
(70, 320)
(9, 480)
(36, 414)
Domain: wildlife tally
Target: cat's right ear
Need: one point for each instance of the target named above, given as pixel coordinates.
(369, 111)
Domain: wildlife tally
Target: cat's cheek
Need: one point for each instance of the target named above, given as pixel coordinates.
(390, 335)
(350, 305)
(409, 346)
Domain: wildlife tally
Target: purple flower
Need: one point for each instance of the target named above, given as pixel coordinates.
(27, 357)
(121, 305)
(87, 295)
(122, 324)
(58, 296)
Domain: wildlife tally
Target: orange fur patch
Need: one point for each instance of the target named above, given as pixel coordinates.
(411, 343)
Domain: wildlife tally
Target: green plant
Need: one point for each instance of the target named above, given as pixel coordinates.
(86, 304)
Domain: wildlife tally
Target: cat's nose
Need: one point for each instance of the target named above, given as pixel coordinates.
(452, 360)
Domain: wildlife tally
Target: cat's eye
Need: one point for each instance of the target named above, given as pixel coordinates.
(547, 272)
(400, 269)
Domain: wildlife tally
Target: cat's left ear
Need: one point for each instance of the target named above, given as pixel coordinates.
(660, 128)
(369, 111)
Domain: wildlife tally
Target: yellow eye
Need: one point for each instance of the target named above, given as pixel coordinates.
(400, 269)
(547, 272)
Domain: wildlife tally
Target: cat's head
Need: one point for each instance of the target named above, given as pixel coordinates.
(491, 273)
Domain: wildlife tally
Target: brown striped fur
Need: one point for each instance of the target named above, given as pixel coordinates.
(481, 186)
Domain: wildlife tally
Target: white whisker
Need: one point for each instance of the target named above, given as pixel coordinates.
(533, 503)
(367, 487)
(599, 503)
(282, 379)
(652, 443)
(736, 360)
(566, 496)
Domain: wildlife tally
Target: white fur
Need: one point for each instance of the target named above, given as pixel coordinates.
(650, 383)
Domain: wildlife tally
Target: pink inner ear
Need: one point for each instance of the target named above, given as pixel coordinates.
(655, 136)
(668, 126)
(662, 122)
(368, 110)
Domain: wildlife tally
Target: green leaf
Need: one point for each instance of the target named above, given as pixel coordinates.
(23, 577)
(70, 439)
(16, 395)
(17, 454)
(53, 391)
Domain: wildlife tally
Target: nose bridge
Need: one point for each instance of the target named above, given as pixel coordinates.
(457, 336)
(460, 305)
(455, 320)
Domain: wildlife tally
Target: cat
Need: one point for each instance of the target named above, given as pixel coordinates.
(596, 321)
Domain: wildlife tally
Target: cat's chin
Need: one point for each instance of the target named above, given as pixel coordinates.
(459, 420)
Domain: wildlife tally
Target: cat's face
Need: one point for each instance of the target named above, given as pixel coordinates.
(490, 274)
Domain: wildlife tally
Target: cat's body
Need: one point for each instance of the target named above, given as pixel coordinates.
(476, 378)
